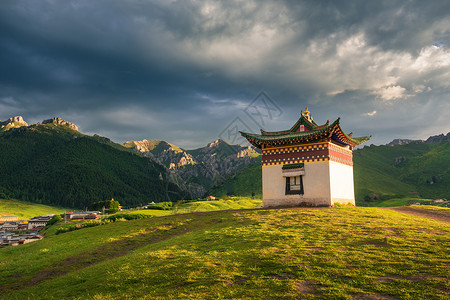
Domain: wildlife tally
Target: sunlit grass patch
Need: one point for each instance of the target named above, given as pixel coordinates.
(26, 210)
(431, 207)
(150, 212)
(220, 204)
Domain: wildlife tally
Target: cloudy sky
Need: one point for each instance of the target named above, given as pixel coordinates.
(192, 71)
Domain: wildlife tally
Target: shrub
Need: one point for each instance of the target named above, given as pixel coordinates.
(87, 224)
(94, 223)
(161, 206)
(109, 205)
(66, 229)
(127, 217)
(111, 210)
(54, 220)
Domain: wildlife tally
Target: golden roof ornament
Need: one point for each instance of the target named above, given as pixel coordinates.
(307, 115)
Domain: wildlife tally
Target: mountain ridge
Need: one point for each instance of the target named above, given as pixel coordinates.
(18, 122)
(200, 168)
(431, 139)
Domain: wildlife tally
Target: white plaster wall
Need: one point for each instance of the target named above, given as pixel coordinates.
(316, 181)
(273, 185)
(342, 187)
(316, 185)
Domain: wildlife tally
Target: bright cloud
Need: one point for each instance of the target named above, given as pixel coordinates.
(370, 114)
(392, 93)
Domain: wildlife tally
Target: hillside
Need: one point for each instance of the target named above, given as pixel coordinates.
(244, 183)
(52, 163)
(408, 170)
(26, 210)
(198, 169)
(402, 169)
(367, 253)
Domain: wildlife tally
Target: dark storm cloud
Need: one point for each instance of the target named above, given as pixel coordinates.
(183, 70)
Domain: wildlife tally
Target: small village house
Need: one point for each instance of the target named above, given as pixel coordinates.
(10, 226)
(39, 222)
(12, 239)
(438, 201)
(23, 225)
(4, 219)
(308, 164)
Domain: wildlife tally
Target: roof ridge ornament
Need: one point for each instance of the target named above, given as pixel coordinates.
(307, 114)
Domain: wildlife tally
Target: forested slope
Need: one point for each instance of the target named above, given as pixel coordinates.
(53, 164)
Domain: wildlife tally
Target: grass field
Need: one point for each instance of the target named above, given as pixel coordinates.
(404, 201)
(149, 212)
(201, 206)
(331, 253)
(435, 208)
(26, 210)
(220, 204)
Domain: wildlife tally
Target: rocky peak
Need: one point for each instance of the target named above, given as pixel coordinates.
(432, 139)
(60, 121)
(17, 119)
(438, 138)
(214, 144)
(14, 122)
(245, 152)
(402, 142)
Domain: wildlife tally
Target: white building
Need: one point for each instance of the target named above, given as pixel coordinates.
(39, 221)
(307, 165)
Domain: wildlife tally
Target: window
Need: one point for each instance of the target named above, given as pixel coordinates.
(294, 185)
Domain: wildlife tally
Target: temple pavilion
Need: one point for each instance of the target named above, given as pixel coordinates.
(307, 165)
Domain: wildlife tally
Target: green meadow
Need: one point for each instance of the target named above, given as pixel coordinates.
(401, 201)
(204, 205)
(27, 210)
(219, 204)
(329, 253)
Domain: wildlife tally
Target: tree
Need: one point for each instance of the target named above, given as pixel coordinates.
(54, 220)
(110, 206)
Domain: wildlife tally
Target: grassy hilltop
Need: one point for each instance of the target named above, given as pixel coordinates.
(337, 253)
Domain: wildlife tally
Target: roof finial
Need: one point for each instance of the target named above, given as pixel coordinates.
(307, 115)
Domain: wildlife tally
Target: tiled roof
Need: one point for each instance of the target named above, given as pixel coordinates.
(314, 132)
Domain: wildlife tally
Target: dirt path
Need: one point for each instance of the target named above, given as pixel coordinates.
(426, 213)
